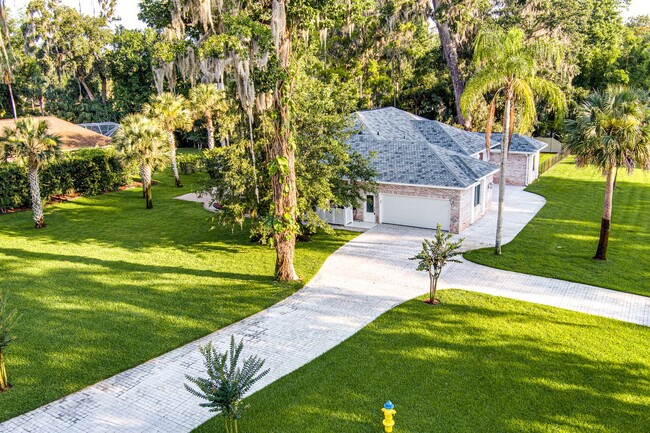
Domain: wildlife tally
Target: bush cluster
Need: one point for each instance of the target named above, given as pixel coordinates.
(190, 163)
(86, 172)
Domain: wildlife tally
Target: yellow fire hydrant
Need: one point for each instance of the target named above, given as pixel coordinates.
(389, 412)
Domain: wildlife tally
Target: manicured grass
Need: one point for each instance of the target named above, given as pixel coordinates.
(108, 285)
(545, 157)
(475, 364)
(561, 240)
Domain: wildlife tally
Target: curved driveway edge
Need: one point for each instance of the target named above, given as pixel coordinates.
(363, 279)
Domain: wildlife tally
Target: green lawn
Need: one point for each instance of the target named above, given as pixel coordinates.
(545, 157)
(108, 285)
(561, 240)
(475, 364)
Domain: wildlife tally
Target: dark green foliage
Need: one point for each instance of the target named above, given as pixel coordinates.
(190, 163)
(86, 172)
(227, 382)
(14, 187)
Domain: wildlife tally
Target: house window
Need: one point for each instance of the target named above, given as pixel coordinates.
(477, 195)
(370, 204)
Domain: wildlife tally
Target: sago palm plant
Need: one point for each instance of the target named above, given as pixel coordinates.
(508, 68)
(144, 141)
(173, 114)
(30, 141)
(227, 383)
(7, 322)
(206, 101)
(611, 130)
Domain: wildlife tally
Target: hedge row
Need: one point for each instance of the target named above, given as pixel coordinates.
(191, 162)
(86, 172)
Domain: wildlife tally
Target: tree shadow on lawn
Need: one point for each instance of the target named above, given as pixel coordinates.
(475, 364)
(561, 240)
(89, 319)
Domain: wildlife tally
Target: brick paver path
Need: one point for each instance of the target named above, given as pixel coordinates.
(363, 279)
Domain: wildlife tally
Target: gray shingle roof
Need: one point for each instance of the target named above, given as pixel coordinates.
(402, 154)
(519, 143)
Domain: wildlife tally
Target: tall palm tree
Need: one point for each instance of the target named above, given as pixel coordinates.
(30, 141)
(207, 101)
(173, 113)
(145, 141)
(507, 71)
(611, 130)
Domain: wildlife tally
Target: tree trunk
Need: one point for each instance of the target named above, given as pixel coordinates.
(250, 131)
(144, 191)
(283, 185)
(11, 98)
(432, 289)
(450, 53)
(210, 128)
(86, 88)
(606, 221)
(35, 190)
(172, 155)
(4, 381)
(146, 181)
(104, 82)
(505, 146)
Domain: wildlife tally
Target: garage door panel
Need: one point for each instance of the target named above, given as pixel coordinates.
(415, 211)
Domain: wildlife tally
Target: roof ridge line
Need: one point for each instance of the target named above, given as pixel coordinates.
(449, 135)
(453, 173)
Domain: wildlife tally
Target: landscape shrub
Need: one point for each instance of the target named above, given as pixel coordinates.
(14, 186)
(86, 172)
(190, 163)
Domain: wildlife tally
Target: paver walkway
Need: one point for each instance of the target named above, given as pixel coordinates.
(362, 280)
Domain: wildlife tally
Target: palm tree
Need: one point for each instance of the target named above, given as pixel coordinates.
(611, 130)
(207, 101)
(173, 114)
(31, 141)
(508, 66)
(145, 141)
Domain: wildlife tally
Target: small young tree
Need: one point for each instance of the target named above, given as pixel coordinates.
(227, 384)
(144, 141)
(173, 114)
(30, 141)
(7, 322)
(206, 102)
(433, 257)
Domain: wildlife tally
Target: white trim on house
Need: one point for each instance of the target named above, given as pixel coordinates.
(455, 188)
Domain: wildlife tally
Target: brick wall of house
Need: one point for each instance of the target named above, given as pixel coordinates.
(461, 202)
(453, 195)
(516, 168)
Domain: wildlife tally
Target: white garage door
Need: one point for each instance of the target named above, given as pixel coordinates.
(415, 211)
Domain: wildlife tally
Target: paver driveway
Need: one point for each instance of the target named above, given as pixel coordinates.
(362, 280)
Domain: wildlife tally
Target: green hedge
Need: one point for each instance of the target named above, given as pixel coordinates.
(86, 172)
(190, 163)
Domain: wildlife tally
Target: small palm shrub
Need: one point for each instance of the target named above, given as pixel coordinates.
(226, 385)
(434, 256)
(7, 322)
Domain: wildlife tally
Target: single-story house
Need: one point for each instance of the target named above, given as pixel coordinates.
(429, 173)
(523, 158)
(73, 137)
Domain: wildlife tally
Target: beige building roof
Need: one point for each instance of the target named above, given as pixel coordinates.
(73, 137)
